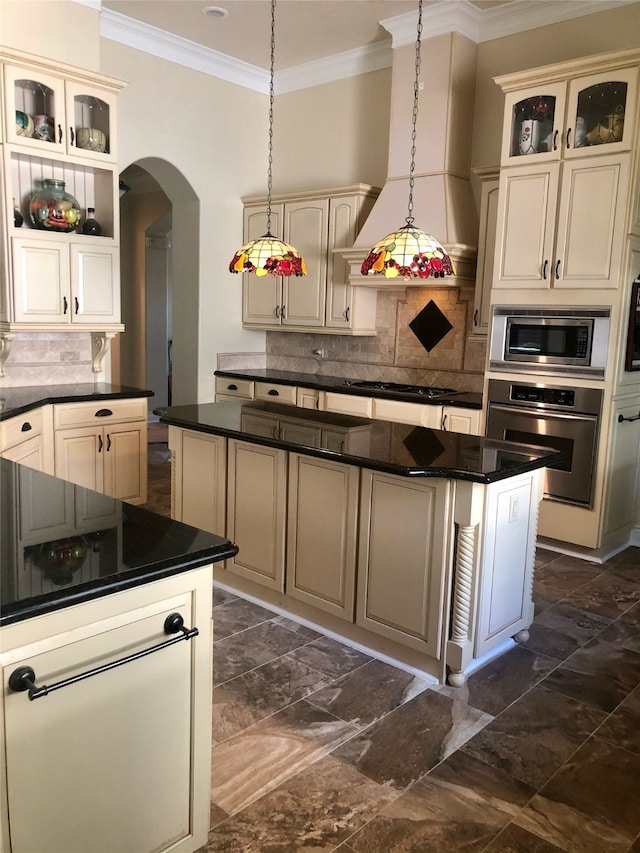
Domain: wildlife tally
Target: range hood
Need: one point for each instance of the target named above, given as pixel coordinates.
(443, 203)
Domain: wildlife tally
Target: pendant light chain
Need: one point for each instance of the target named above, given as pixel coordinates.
(416, 88)
(271, 94)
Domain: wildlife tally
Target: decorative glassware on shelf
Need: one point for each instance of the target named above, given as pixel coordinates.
(91, 123)
(35, 110)
(533, 119)
(601, 110)
(90, 225)
(18, 218)
(54, 209)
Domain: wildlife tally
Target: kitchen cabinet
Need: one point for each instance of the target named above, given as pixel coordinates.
(345, 404)
(307, 398)
(119, 761)
(403, 525)
(285, 395)
(103, 447)
(199, 473)
(256, 512)
(622, 498)
(233, 389)
(407, 413)
(322, 534)
(60, 123)
(490, 179)
(27, 439)
(459, 419)
(323, 301)
(564, 188)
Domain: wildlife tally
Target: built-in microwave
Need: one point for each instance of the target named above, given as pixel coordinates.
(562, 341)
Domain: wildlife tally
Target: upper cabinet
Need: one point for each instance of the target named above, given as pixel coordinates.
(568, 135)
(317, 224)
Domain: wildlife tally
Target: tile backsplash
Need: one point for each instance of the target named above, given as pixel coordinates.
(394, 354)
(48, 358)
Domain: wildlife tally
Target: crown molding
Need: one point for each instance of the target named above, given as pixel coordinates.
(443, 17)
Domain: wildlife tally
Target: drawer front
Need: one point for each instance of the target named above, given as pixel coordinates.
(346, 404)
(234, 387)
(100, 412)
(20, 428)
(286, 394)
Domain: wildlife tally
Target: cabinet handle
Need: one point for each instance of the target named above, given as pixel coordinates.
(103, 413)
(555, 140)
(72, 135)
(232, 387)
(100, 442)
(568, 136)
(630, 420)
(475, 317)
(277, 312)
(544, 269)
(26, 427)
(65, 305)
(23, 678)
(77, 304)
(59, 134)
(347, 312)
(108, 442)
(273, 393)
(557, 272)
(283, 312)
(444, 422)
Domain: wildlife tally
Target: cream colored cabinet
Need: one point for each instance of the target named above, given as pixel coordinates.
(622, 500)
(400, 412)
(488, 216)
(55, 281)
(567, 136)
(307, 398)
(459, 419)
(316, 224)
(256, 512)
(285, 395)
(322, 534)
(199, 474)
(119, 761)
(562, 225)
(27, 439)
(403, 526)
(103, 447)
(345, 404)
(233, 389)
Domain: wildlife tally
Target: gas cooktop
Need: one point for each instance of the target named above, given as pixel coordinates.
(399, 388)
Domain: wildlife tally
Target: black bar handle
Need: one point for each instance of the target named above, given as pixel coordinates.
(283, 312)
(475, 317)
(555, 141)
(59, 134)
(77, 304)
(99, 444)
(65, 305)
(568, 137)
(108, 442)
(26, 427)
(347, 312)
(557, 272)
(23, 678)
(630, 420)
(103, 413)
(72, 135)
(544, 269)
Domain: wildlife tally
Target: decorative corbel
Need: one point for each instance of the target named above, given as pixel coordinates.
(100, 342)
(5, 348)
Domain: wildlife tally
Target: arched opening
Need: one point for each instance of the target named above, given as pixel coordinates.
(159, 251)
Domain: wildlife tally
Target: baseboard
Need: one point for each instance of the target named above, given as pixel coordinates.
(635, 536)
(591, 555)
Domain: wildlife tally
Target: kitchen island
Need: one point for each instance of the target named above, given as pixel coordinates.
(106, 657)
(415, 543)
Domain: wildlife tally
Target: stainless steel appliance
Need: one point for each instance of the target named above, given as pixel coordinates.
(399, 388)
(566, 419)
(562, 341)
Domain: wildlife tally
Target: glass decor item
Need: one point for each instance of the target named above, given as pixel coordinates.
(54, 209)
(90, 226)
(18, 218)
(409, 252)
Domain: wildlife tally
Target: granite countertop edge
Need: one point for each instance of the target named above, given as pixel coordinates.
(19, 400)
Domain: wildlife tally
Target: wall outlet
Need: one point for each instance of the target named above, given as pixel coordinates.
(319, 353)
(514, 503)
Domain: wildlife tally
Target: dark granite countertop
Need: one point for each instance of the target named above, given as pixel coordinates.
(128, 547)
(468, 399)
(409, 451)
(16, 401)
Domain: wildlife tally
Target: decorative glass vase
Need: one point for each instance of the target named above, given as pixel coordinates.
(54, 209)
(90, 226)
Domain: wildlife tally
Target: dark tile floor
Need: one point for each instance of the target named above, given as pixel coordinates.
(320, 748)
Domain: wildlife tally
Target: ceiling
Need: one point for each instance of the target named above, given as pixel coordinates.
(306, 30)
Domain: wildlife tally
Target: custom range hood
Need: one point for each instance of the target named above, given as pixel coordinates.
(443, 203)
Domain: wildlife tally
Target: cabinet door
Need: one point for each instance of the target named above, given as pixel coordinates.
(256, 505)
(342, 234)
(300, 433)
(199, 477)
(622, 499)
(466, 421)
(533, 123)
(78, 456)
(95, 284)
(591, 218)
(261, 295)
(402, 554)
(124, 457)
(486, 252)
(30, 453)
(109, 760)
(40, 281)
(34, 109)
(46, 511)
(307, 398)
(322, 534)
(305, 227)
(526, 224)
(91, 116)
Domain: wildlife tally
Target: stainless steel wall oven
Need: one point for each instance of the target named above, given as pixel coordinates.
(566, 419)
(563, 341)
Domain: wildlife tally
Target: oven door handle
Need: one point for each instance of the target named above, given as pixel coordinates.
(544, 413)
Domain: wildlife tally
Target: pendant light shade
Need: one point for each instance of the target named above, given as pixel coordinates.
(268, 255)
(409, 252)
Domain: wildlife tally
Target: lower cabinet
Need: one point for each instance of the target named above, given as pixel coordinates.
(458, 419)
(27, 439)
(199, 479)
(622, 489)
(119, 761)
(402, 558)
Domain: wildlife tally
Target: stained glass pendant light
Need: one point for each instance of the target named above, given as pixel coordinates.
(409, 252)
(268, 255)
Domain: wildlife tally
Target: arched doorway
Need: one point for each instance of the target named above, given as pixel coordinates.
(160, 212)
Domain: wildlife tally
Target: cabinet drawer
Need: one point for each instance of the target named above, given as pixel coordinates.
(234, 387)
(345, 404)
(398, 412)
(286, 394)
(18, 429)
(99, 412)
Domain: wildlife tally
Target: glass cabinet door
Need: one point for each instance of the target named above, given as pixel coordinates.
(596, 112)
(34, 109)
(90, 116)
(533, 125)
